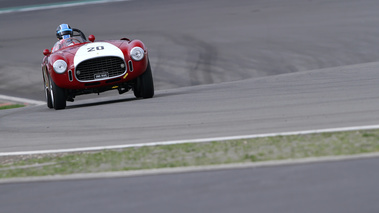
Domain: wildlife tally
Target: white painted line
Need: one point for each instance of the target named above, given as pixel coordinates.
(54, 6)
(177, 170)
(21, 100)
(203, 140)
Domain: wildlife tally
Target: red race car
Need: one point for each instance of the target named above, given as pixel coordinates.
(75, 66)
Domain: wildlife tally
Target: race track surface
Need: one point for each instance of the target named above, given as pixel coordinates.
(343, 97)
(200, 43)
(339, 187)
(221, 68)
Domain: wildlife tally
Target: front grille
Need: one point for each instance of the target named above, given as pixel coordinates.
(100, 68)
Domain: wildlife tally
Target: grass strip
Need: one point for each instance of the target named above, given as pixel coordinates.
(11, 106)
(193, 154)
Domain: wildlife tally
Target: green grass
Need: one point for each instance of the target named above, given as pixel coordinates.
(11, 106)
(193, 154)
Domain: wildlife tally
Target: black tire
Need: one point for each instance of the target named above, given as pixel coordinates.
(137, 88)
(49, 103)
(144, 87)
(46, 87)
(58, 96)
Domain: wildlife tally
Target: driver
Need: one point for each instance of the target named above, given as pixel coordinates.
(64, 31)
(64, 34)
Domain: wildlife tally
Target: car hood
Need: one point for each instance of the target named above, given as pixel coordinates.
(96, 49)
(80, 53)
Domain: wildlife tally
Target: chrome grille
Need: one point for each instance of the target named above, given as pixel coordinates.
(109, 66)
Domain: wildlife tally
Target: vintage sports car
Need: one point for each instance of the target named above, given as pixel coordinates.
(75, 66)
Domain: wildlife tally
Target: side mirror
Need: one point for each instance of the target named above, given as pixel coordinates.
(46, 52)
(91, 38)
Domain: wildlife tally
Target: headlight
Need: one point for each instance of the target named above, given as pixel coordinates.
(137, 53)
(60, 66)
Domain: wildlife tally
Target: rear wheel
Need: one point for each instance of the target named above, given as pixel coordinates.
(144, 87)
(58, 96)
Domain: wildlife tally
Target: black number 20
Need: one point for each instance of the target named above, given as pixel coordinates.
(91, 49)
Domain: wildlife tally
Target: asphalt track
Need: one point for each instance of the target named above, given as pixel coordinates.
(221, 68)
(318, 99)
(339, 187)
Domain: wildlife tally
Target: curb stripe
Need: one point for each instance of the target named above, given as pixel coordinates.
(21, 100)
(5, 104)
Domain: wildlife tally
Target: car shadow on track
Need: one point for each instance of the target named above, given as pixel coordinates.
(95, 102)
(109, 100)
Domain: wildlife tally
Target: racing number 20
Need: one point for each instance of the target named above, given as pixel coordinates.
(91, 49)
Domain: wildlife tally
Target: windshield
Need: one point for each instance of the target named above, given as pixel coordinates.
(63, 43)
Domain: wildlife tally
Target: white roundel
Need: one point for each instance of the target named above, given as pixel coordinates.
(96, 49)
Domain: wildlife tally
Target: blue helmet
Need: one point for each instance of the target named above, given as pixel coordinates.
(64, 31)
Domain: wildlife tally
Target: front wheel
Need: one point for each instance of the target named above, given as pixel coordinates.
(144, 87)
(58, 96)
(47, 87)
